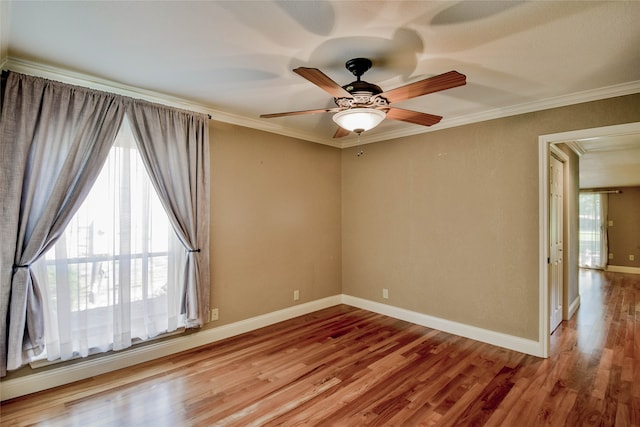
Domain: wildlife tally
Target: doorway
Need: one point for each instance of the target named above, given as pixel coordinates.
(547, 145)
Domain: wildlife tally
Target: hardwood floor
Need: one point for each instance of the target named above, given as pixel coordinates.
(348, 367)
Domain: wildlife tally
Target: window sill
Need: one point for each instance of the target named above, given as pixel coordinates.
(41, 361)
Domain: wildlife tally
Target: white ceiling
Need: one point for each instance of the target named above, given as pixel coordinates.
(610, 162)
(233, 59)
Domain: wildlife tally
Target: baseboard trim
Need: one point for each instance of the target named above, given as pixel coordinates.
(484, 335)
(573, 307)
(86, 369)
(623, 269)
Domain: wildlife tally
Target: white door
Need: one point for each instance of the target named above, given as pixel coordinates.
(556, 175)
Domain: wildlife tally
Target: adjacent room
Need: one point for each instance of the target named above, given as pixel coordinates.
(320, 213)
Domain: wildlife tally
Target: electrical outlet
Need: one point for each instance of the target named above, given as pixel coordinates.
(610, 256)
(296, 295)
(385, 293)
(214, 314)
(610, 223)
(632, 257)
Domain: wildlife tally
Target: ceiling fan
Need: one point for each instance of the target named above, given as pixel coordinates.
(362, 106)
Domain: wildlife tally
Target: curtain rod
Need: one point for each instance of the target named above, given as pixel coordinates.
(602, 191)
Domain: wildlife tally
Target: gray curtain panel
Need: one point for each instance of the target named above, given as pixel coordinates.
(174, 146)
(54, 141)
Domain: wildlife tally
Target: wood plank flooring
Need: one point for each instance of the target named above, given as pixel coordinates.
(348, 367)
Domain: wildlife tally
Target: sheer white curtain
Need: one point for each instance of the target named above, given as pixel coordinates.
(593, 230)
(114, 275)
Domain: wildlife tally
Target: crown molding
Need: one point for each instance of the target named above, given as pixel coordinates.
(576, 147)
(80, 79)
(529, 107)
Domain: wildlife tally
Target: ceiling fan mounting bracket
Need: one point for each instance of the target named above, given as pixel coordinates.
(358, 66)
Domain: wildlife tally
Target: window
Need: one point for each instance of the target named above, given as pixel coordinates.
(593, 236)
(112, 277)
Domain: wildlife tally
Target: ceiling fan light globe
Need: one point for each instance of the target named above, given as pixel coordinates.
(359, 119)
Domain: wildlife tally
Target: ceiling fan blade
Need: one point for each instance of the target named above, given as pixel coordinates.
(423, 87)
(321, 80)
(415, 117)
(340, 132)
(297, 113)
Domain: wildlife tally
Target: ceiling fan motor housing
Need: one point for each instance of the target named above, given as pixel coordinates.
(360, 86)
(363, 93)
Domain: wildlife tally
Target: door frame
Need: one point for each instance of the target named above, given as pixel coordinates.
(545, 146)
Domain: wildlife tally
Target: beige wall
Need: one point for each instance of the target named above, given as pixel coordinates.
(448, 220)
(624, 235)
(275, 212)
